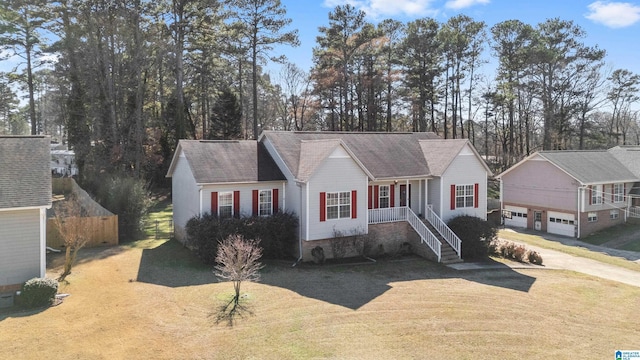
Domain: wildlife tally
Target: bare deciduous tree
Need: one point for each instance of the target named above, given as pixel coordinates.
(72, 229)
(238, 261)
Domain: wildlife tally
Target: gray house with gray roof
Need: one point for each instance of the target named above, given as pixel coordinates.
(25, 194)
(571, 193)
(337, 183)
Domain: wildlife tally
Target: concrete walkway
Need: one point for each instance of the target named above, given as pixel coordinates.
(561, 261)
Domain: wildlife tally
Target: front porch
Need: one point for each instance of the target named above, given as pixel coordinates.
(433, 232)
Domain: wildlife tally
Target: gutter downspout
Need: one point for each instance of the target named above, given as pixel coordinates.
(299, 230)
(580, 207)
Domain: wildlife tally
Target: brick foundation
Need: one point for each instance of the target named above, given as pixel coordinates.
(389, 238)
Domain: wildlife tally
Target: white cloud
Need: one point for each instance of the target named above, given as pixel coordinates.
(614, 14)
(380, 8)
(462, 4)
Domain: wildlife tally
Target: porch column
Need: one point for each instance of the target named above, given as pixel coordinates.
(406, 193)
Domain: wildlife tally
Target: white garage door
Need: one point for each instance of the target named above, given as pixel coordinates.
(515, 216)
(561, 224)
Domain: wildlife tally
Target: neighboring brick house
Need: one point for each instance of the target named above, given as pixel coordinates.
(335, 182)
(25, 194)
(571, 193)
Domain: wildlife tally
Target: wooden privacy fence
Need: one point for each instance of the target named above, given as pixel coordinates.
(103, 231)
(100, 223)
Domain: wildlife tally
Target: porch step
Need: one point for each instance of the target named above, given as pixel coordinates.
(447, 254)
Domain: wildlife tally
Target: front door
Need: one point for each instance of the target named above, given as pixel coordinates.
(537, 220)
(403, 195)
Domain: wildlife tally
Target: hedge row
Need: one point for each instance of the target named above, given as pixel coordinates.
(277, 234)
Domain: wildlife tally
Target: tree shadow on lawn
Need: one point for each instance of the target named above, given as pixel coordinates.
(353, 286)
(173, 265)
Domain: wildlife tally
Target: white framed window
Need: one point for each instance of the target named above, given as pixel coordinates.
(383, 196)
(464, 196)
(592, 216)
(614, 214)
(618, 193)
(265, 203)
(338, 205)
(596, 195)
(225, 204)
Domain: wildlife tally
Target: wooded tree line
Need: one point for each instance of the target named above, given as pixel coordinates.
(123, 81)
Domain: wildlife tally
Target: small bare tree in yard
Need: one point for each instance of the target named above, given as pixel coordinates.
(237, 261)
(74, 232)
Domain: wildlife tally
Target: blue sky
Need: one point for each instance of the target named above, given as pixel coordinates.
(613, 26)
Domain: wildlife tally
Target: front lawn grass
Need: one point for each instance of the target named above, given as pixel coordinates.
(142, 303)
(536, 240)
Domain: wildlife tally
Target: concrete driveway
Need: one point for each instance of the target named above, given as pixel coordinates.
(561, 261)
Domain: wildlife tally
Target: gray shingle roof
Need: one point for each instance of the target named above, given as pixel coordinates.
(590, 167)
(440, 153)
(220, 161)
(385, 155)
(629, 156)
(25, 173)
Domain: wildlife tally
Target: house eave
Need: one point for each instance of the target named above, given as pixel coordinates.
(26, 208)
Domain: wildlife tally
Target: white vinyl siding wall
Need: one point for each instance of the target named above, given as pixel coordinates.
(185, 196)
(246, 195)
(20, 248)
(465, 169)
(336, 175)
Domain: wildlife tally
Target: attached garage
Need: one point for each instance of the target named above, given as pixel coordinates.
(561, 223)
(515, 216)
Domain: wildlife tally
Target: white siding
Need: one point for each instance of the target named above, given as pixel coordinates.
(186, 202)
(336, 174)
(20, 246)
(246, 195)
(465, 169)
(434, 195)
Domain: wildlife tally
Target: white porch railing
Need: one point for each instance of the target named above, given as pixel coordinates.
(634, 211)
(385, 215)
(395, 214)
(444, 230)
(426, 235)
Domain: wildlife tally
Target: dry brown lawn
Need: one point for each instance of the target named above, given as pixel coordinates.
(152, 300)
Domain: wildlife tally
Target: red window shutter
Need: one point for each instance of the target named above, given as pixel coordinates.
(475, 195)
(214, 203)
(256, 201)
(392, 195)
(354, 204)
(274, 200)
(370, 197)
(624, 192)
(590, 194)
(323, 206)
(376, 194)
(236, 204)
(453, 197)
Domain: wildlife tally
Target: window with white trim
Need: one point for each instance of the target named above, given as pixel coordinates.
(265, 203)
(618, 193)
(225, 204)
(592, 216)
(614, 214)
(339, 205)
(383, 196)
(596, 195)
(464, 196)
